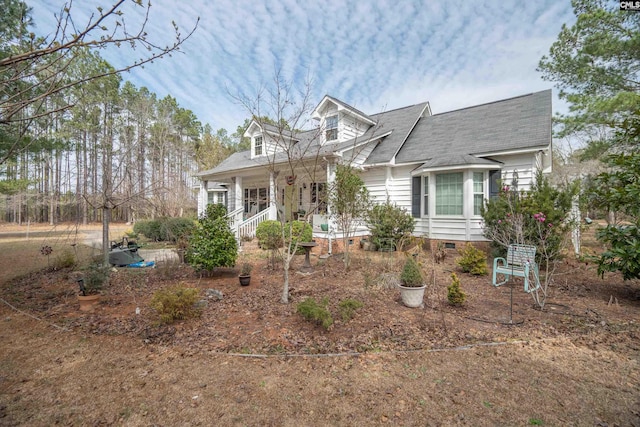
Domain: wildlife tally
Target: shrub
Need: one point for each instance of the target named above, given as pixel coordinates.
(245, 269)
(164, 229)
(388, 222)
(213, 244)
(537, 217)
(473, 260)
(301, 231)
(314, 312)
(269, 234)
(411, 275)
(177, 303)
(454, 293)
(94, 278)
(348, 308)
(150, 228)
(65, 259)
(174, 229)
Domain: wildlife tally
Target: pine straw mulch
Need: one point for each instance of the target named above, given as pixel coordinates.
(251, 320)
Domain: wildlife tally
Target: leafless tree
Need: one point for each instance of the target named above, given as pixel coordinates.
(292, 154)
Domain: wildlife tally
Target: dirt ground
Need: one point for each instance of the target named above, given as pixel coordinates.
(250, 360)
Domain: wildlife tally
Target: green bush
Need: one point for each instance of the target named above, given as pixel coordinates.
(65, 259)
(297, 231)
(94, 278)
(174, 229)
(536, 217)
(212, 244)
(454, 293)
(314, 312)
(411, 275)
(388, 224)
(473, 260)
(348, 308)
(269, 234)
(149, 228)
(165, 229)
(176, 303)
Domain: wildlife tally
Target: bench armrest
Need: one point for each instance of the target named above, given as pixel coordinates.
(497, 260)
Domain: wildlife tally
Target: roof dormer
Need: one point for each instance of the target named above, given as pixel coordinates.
(340, 121)
(267, 139)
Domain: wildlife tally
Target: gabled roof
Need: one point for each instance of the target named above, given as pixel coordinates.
(307, 145)
(270, 129)
(400, 122)
(342, 106)
(408, 135)
(513, 124)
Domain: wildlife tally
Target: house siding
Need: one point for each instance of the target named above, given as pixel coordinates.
(523, 164)
(375, 181)
(399, 186)
(349, 127)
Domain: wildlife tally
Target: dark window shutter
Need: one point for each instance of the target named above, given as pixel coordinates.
(494, 184)
(416, 195)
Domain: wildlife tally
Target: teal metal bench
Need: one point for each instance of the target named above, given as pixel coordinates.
(520, 262)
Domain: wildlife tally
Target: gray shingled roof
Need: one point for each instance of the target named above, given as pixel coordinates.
(400, 122)
(454, 138)
(512, 124)
(307, 142)
(349, 107)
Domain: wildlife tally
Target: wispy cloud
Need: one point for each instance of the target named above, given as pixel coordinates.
(373, 55)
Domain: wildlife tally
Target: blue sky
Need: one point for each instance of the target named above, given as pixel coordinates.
(374, 55)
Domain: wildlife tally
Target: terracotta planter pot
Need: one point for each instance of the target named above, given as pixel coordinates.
(88, 302)
(412, 297)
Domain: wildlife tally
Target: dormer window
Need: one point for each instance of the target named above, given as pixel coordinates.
(331, 129)
(257, 150)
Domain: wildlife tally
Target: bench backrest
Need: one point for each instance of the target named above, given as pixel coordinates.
(521, 254)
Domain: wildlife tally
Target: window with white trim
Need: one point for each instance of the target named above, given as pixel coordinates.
(331, 128)
(478, 192)
(257, 150)
(449, 193)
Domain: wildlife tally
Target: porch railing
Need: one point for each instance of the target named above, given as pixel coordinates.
(235, 219)
(247, 228)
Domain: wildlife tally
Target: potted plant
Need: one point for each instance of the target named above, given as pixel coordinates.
(91, 283)
(412, 284)
(245, 273)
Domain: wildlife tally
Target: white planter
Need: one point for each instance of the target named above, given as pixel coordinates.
(412, 297)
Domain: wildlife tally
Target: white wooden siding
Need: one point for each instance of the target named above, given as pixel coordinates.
(399, 186)
(349, 127)
(375, 180)
(524, 164)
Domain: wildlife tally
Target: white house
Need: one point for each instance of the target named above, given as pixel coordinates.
(440, 167)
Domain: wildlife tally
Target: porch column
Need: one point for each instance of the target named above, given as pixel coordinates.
(331, 177)
(238, 193)
(273, 197)
(202, 198)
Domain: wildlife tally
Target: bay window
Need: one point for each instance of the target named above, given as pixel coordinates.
(425, 195)
(478, 192)
(449, 193)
